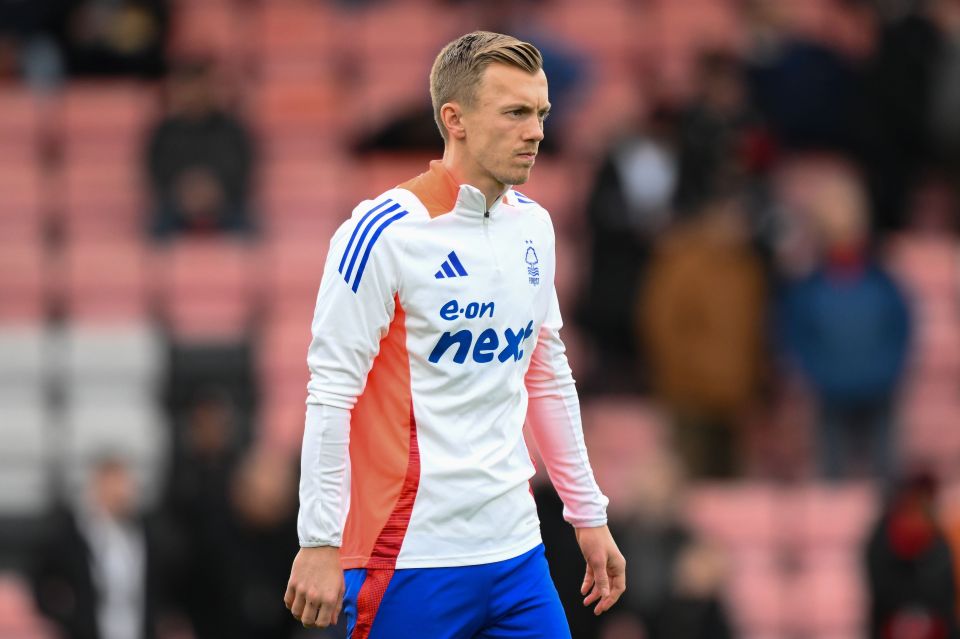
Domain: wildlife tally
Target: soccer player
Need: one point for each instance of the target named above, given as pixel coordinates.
(435, 337)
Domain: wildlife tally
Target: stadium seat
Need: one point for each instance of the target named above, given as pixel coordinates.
(620, 433)
(104, 281)
(757, 595)
(293, 273)
(112, 359)
(298, 30)
(23, 277)
(209, 28)
(827, 596)
(302, 201)
(105, 107)
(551, 185)
(19, 618)
(104, 200)
(830, 517)
(282, 351)
(281, 419)
(26, 446)
(23, 367)
(310, 110)
(741, 515)
(208, 288)
(106, 121)
(23, 206)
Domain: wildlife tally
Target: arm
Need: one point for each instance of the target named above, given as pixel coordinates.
(554, 418)
(354, 308)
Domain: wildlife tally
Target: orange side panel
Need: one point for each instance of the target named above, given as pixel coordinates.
(379, 445)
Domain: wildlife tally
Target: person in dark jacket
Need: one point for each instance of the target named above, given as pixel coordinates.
(99, 573)
(847, 326)
(200, 160)
(910, 568)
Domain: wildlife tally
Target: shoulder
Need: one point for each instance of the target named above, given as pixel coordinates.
(530, 207)
(381, 216)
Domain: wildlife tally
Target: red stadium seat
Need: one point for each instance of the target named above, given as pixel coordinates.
(23, 204)
(622, 434)
(830, 517)
(293, 269)
(208, 288)
(281, 419)
(23, 276)
(552, 186)
(827, 597)
(104, 281)
(738, 516)
(302, 201)
(106, 121)
(104, 201)
(757, 593)
(298, 30)
(282, 352)
(215, 28)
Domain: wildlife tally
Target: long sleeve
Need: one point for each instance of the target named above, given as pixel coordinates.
(354, 308)
(553, 415)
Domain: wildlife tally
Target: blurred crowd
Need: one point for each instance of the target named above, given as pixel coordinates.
(761, 286)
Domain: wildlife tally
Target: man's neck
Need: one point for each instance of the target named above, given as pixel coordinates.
(466, 171)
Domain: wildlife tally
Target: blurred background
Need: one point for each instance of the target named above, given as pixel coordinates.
(756, 207)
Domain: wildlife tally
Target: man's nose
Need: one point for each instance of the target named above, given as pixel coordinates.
(534, 130)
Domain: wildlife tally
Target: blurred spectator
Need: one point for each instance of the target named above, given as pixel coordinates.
(628, 206)
(901, 100)
(27, 46)
(114, 37)
(701, 320)
(258, 549)
(674, 590)
(101, 571)
(808, 92)
(847, 327)
(694, 609)
(719, 136)
(910, 568)
(200, 159)
(197, 503)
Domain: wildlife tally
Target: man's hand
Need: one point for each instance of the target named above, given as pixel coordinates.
(315, 590)
(606, 568)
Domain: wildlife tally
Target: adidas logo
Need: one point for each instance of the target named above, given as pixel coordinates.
(451, 267)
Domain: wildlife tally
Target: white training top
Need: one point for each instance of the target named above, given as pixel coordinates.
(435, 337)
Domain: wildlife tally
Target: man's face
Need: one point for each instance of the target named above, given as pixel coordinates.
(504, 125)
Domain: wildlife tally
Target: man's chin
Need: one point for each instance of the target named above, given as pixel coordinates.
(520, 177)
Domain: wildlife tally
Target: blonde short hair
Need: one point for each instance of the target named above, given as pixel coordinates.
(459, 66)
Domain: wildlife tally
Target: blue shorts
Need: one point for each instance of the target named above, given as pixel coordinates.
(512, 599)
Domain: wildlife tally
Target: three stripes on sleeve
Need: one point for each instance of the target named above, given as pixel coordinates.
(380, 217)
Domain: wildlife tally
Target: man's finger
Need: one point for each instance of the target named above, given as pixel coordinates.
(587, 581)
(298, 603)
(309, 617)
(336, 613)
(289, 596)
(617, 584)
(602, 588)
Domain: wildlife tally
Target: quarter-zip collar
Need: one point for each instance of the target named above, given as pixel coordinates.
(471, 202)
(440, 193)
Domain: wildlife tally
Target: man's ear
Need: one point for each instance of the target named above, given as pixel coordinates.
(451, 114)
